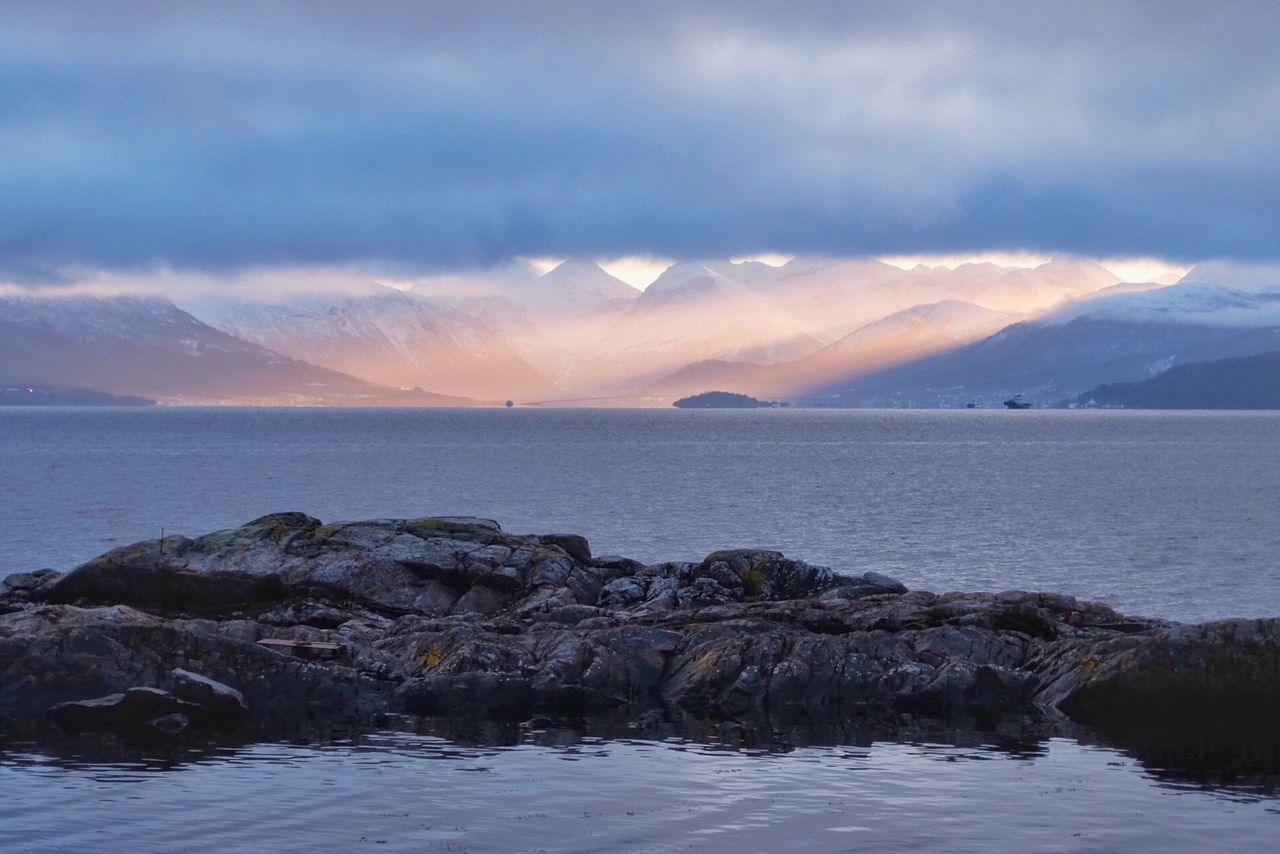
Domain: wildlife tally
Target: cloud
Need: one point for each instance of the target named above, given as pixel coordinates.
(428, 136)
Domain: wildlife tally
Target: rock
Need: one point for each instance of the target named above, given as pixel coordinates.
(770, 575)
(452, 616)
(702, 593)
(218, 701)
(1204, 673)
(574, 546)
(461, 525)
(571, 615)
(174, 723)
(854, 590)
(613, 566)
(624, 592)
(884, 582)
(720, 572)
(52, 654)
(29, 582)
(131, 709)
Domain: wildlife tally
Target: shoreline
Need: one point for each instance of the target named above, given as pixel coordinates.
(455, 618)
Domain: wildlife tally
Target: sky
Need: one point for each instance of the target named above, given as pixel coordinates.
(417, 137)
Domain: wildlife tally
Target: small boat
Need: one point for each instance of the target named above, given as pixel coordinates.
(1016, 402)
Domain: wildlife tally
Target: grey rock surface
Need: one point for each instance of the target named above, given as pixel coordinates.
(453, 616)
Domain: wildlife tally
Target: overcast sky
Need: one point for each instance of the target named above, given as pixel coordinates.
(426, 135)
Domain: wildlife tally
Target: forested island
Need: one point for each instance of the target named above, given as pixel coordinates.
(725, 400)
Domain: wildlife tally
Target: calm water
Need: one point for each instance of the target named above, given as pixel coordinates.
(1176, 515)
(403, 792)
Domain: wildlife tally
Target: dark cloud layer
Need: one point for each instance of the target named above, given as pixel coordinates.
(438, 134)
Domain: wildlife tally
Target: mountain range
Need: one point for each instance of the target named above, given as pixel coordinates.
(1121, 336)
(835, 332)
(386, 337)
(147, 346)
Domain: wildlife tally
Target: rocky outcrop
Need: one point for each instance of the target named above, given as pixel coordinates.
(455, 617)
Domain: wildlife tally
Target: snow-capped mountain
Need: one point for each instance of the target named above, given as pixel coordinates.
(833, 297)
(810, 326)
(900, 337)
(1113, 337)
(1190, 302)
(594, 335)
(387, 337)
(909, 334)
(1022, 289)
(692, 312)
(830, 297)
(148, 346)
(575, 287)
(551, 320)
(1237, 275)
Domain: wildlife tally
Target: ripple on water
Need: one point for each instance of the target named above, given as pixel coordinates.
(1168, 514)
(408, 791)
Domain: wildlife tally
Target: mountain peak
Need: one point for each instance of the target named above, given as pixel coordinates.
(577, 285)
(1085, 270)
(576, 265)
(1243, 276)
(682, 276)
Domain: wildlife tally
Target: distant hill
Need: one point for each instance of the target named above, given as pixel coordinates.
(23, 394)
(901, 337)
(149, 347)
(844, 332)
(385, 337)
(1248, 382)
(742, 326)
(691, 313)
(723, 400)
(1117, 336)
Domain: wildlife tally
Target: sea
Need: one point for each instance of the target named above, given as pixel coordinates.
(1173, 515)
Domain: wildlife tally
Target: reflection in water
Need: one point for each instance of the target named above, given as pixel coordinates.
(436, 785)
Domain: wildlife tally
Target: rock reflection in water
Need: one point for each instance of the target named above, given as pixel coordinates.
(601, 785)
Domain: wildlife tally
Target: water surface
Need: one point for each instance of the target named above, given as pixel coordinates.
(1165, 514)
(398, 791)
(1169, 514)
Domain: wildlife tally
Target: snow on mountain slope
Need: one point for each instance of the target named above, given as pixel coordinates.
(1115, 337)
(1191, 302)
(691, 313)
(577, 286)
(148, 346)
(905, 335)
(830, 297)
(552, 320)
(1021, 289)
(592, 334)
(1237, 275)
(909, 334)
(387, 337)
